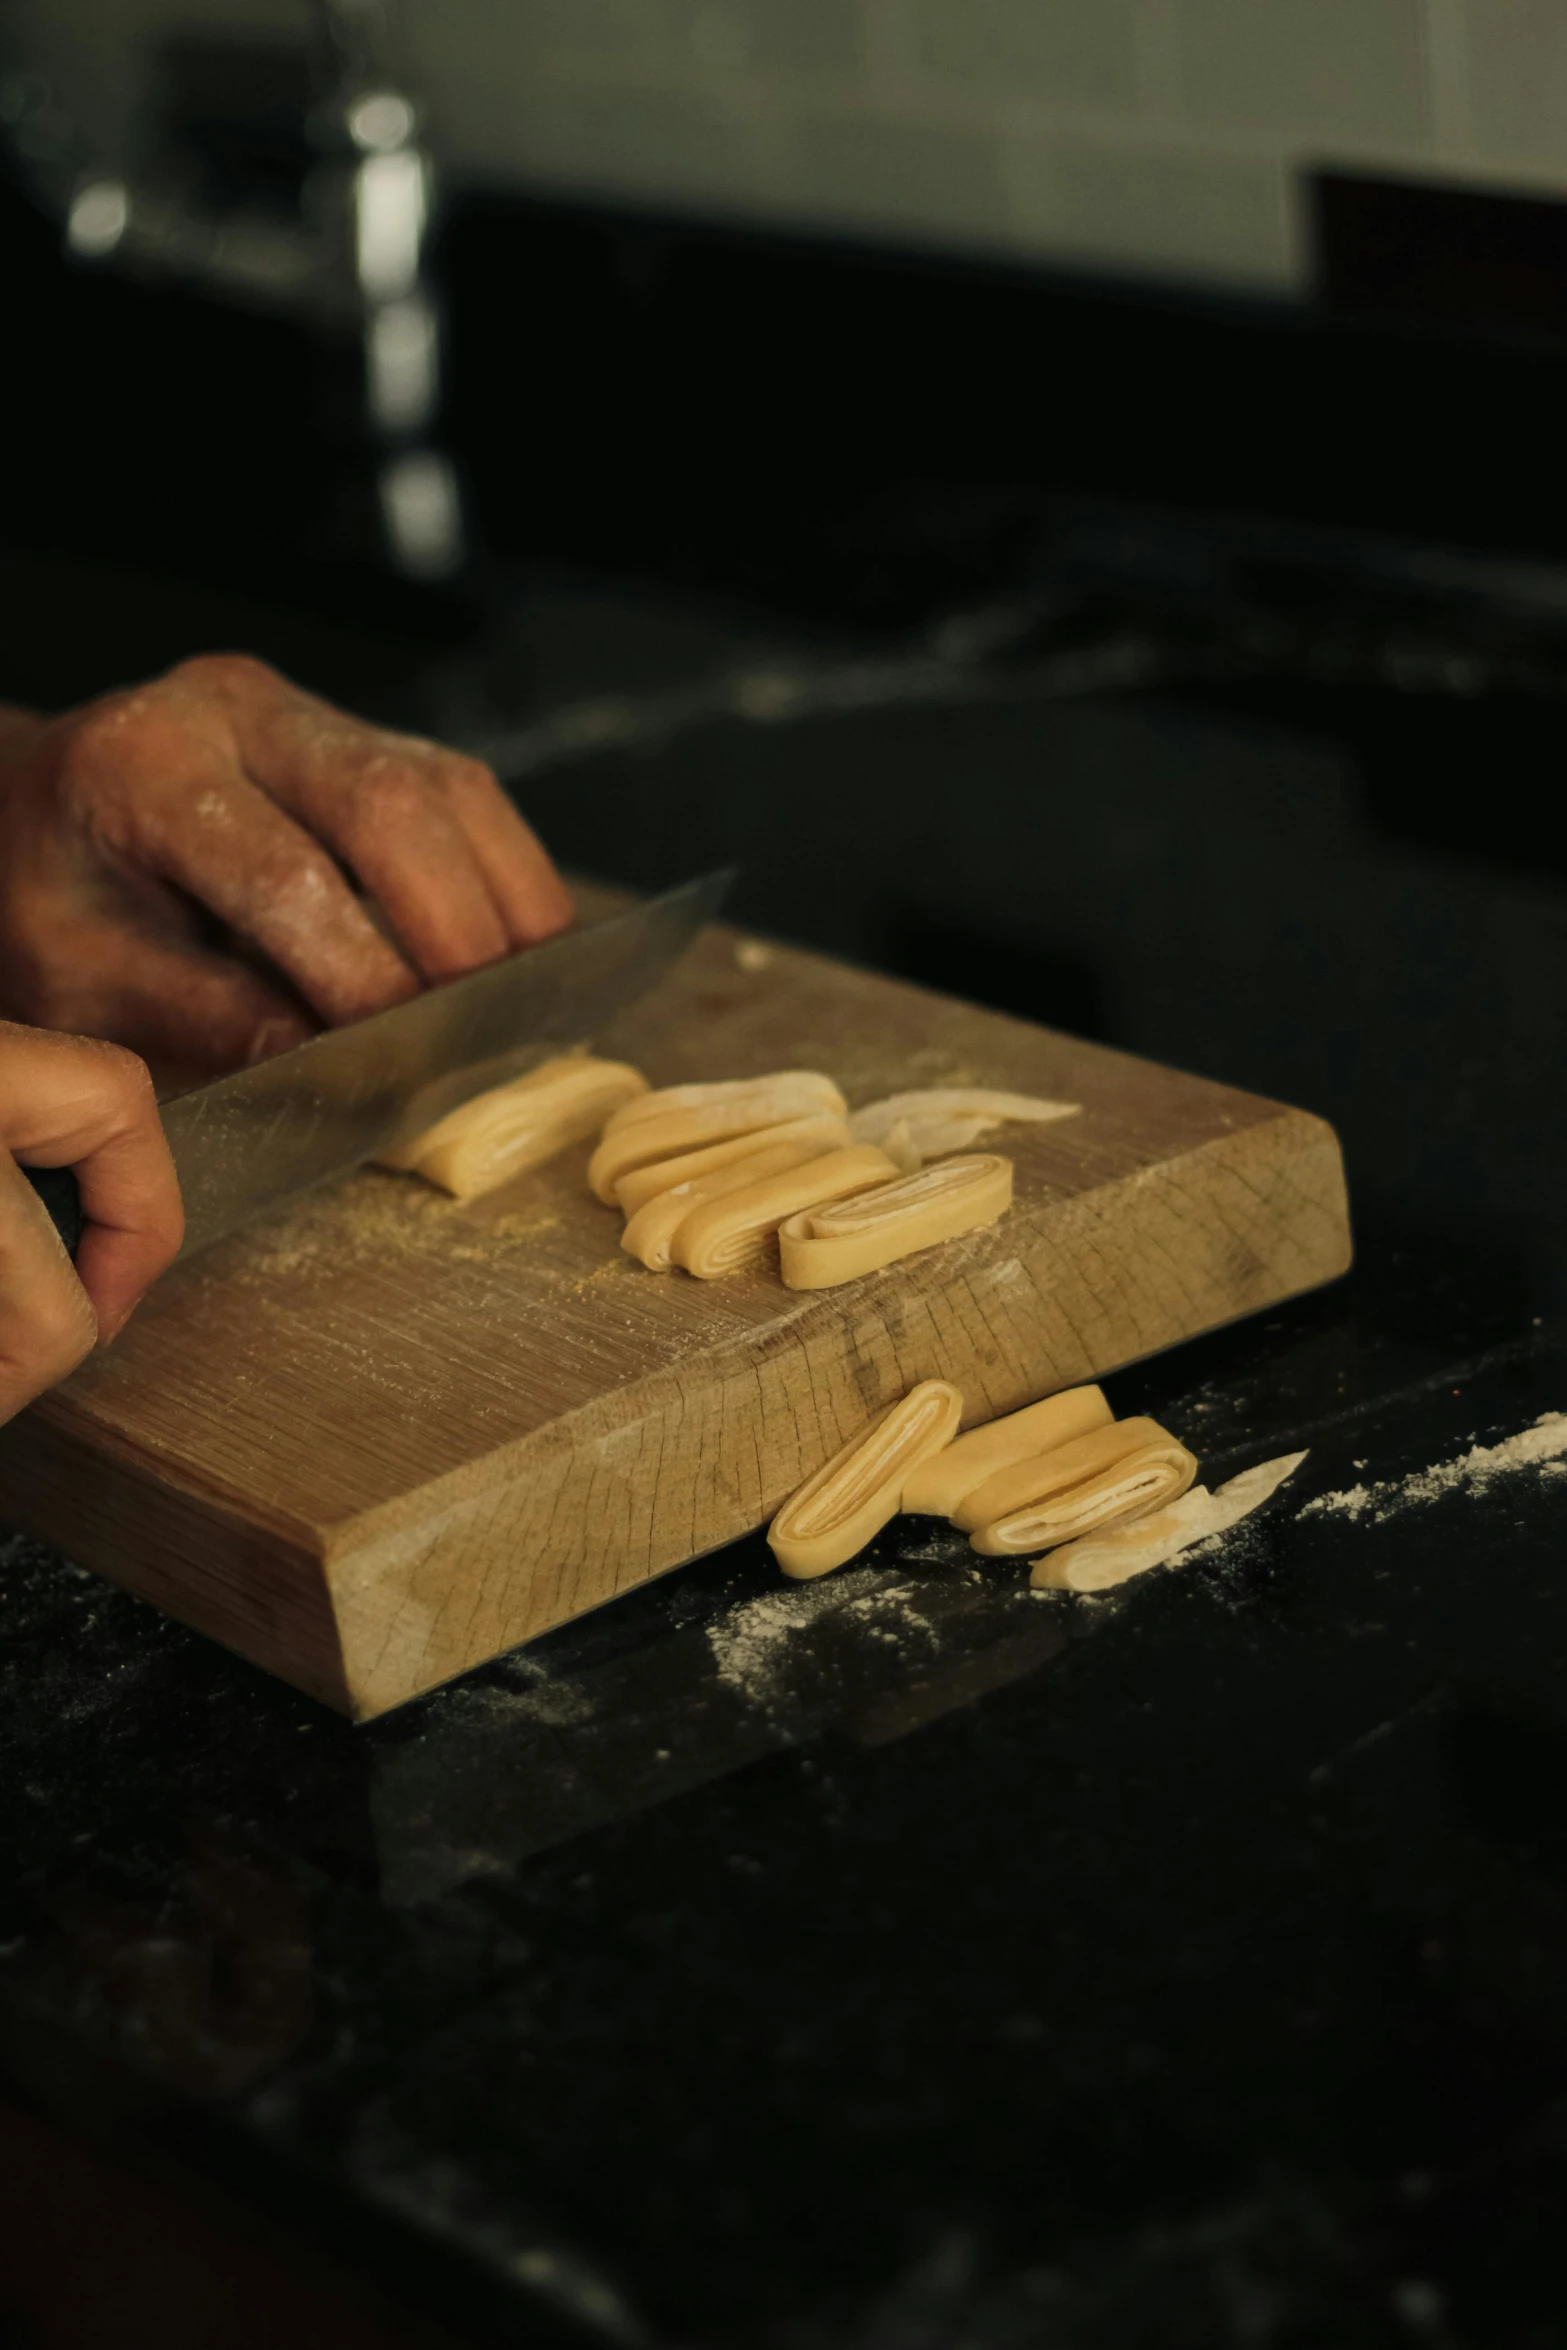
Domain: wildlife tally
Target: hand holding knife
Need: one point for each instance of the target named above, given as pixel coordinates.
(247, 1142)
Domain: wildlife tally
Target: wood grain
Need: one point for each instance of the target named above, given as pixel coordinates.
(385, 1435)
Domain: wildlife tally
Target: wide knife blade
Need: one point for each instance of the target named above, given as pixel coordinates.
(249, 1141)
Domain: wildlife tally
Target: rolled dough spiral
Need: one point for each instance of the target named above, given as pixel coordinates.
(725, 1235)
(821, 1247)
(939, 1484)
(666, 1129)
(1117, 1472)
(840, 1509)
(513, 1127)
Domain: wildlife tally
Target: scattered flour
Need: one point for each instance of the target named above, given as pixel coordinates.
(1540, 1446)
(755, 1646)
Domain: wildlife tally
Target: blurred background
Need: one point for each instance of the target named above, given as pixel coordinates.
(1071, 496)
(1069, 492)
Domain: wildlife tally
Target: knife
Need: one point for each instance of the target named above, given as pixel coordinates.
(247, 1142)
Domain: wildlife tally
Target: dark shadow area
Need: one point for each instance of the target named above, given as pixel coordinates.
(1026, 977)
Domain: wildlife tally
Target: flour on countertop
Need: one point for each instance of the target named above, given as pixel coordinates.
(753, 1645)
(1540, 1446)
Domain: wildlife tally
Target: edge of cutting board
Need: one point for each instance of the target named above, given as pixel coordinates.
(1218, 1205)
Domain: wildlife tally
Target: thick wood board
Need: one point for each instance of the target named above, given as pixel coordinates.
(382, 1436)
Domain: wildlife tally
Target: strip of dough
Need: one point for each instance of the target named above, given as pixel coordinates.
(1053, 1471)
(633, 1191)
(725, 1235)
(670, 1133)
(939, 1119)
(940, 1483)
(651, 1231)
(819, 1249)
(1100, 1561)
(1156, 1472)
(513, 1127)
(847, 1503)
(778, 1094)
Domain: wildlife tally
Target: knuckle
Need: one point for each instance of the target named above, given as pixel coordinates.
(463, 774)
(391, 790)
(223, 673)
(123, 1073)
(98, 737)
(59, 1329)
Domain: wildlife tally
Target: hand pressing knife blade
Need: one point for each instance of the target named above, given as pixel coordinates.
(247, 1142)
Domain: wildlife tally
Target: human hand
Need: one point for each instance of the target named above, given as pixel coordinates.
(67, 1101)
(179, 862)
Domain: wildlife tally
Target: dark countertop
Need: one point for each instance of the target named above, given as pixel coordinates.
(905, 1961)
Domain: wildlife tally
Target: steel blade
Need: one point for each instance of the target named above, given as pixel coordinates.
(247, 1141)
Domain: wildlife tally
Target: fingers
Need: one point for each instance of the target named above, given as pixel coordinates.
(428, 832)
(68, 1101)
(47, 1323)
(203, 825)
(384, 814)
(263, 805)
(191, 1014)
(534, 902)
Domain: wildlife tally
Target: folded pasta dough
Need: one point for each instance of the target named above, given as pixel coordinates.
(774, 1096)
(822, 1133)
(847, 1503)
(1050, 1472)
(725, 1235)
(939, 1484)
(513, 1127)
(1140, 1481)
(669, 1133)
(819, 1248)
(1100, 1561)
(939, 1119)
(650, 1232)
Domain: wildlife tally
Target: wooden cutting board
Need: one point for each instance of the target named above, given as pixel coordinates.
(382, 1436)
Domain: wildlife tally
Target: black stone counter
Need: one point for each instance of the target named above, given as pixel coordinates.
(907, 1961)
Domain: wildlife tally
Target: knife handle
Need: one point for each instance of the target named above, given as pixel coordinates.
(61, 1195)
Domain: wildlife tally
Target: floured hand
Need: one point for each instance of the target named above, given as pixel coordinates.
(184, 867)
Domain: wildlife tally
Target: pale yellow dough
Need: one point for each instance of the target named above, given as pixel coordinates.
(800, 1092)
(725, 1235)
(650, 1232)
(823, 1133)
(938, 1485)
(820, 1248)
(1041, 1474)
(929, 1124)
(1100, 1561)
(513, 1127)
(1117, 1472)
(847, 1503)
(669, 1128)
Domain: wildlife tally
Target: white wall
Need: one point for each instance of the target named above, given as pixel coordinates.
(1151, 137)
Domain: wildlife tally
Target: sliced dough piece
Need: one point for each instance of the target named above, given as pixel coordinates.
(725, 1235)
(820, 1248)
(670, 1133)
(1100, 1561)
(513, 1127)
(847, 1503)
(1053, 1471)
(651, 1231)
(633, 1191)
(939, 1119)
(940, 1483)
(781, 1093)
(1157, 1472)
